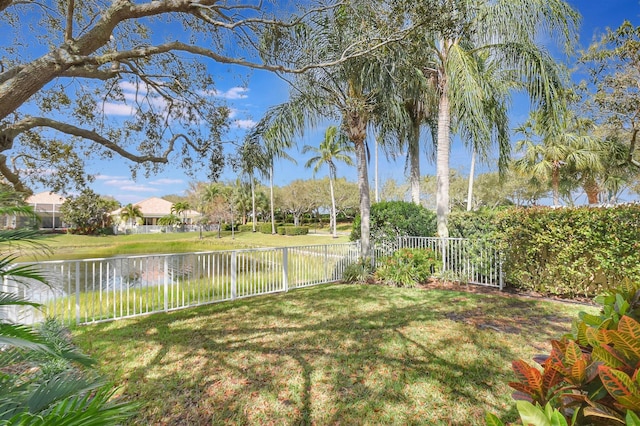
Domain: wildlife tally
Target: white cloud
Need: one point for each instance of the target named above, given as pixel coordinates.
(233, 93)
(111, 108)
(166, 181)
(243, 124)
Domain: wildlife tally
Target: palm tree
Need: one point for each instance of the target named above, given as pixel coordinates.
(275, 145)
(251, 158)
(131, 213)
(553, 146)
(471, 37)
(332, 148)
(358, 91)
(181, 208)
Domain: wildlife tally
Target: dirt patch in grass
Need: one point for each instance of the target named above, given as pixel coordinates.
(488, 320)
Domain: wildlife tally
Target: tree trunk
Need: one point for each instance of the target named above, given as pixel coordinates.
(273, 216)
(592, 190)
(333, 206)
(555, 185)
(442, 163)
(365, 203)
(414, 161)
(471, 176)
(253, 203)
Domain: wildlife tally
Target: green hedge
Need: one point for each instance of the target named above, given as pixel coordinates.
(265, 228)
(247, 228)
(570, 251)
(292, 230)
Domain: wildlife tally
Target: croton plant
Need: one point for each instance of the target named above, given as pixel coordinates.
(592, 375)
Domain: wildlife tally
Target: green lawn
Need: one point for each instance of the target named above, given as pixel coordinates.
(337, 354)
(67, 246)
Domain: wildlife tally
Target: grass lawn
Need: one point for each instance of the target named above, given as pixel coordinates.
(67, 246)
(336, 354)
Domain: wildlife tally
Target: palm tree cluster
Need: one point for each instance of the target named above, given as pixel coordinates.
(453, 73)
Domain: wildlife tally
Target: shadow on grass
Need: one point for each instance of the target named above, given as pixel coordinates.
(326, 355)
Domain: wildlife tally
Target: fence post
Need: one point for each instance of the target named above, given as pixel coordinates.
(443, 250)
(285, 269)
(326, 263)
(77, 293)
(166, 283)
(234, 276)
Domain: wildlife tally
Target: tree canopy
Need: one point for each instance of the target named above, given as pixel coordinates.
(102, 79)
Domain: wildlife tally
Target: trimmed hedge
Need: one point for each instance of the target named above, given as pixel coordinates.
(265, 228)
(247, 228)
(570, 251)
(292, 230)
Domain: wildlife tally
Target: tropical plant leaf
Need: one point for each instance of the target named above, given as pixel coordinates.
(551, 376)
(10, 299)
(531, 414)
(572, 354)
(603, 413)
(577, 373)
(620, 386)
(557, 419)
(632, 419)
(627, 337)
(493, 420)
(608, 356)
(530, 380)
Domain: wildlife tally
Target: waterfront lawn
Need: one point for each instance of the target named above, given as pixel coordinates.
(68, 246)
(335, 354)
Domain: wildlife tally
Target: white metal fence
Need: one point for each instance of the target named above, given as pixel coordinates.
(82, 291)
(465, 260)
(91, 290)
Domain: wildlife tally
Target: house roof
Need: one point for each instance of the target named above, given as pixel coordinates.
(156, 207)
(45, 198)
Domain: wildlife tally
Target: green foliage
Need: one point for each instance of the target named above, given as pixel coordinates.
(43, 378)
(591, 376)
(246, 228)
(407, 267)
(292, 230)
(570, 251)
(475, 225)
(88, 213)
(358, 272)
(392, 219)
(266, 228)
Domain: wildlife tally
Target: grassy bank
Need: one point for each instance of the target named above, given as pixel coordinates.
(328, 355)
(67, 246)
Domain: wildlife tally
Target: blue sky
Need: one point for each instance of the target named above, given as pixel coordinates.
(250, 93)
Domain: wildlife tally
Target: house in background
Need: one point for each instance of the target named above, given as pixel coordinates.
(152, 210)
(47, 206)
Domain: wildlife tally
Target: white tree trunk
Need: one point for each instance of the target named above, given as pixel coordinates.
(253, 202)
(442, 163)
(414, 162)
(333, 207)
(471, 176)
(365, 202)
(273, 216)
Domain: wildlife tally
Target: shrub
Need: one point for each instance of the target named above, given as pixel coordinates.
(407, 267)
(358, 272)
(246, 228)
(570, 251)
(592, 376)
(265, 228)
(293, 230)
(392, 219)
